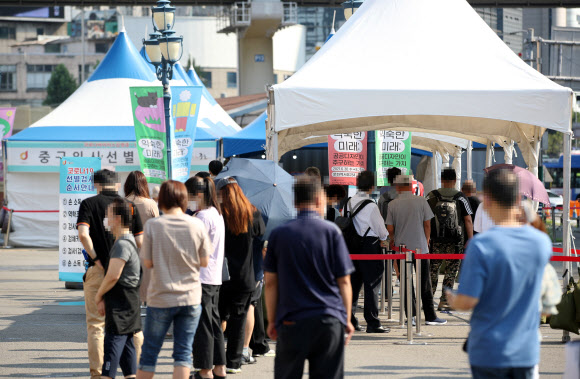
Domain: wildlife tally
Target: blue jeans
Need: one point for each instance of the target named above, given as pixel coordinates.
(157, 322)
(479, 372)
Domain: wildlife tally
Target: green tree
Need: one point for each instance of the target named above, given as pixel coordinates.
(555, 144)
(60, 86)
(196, 68)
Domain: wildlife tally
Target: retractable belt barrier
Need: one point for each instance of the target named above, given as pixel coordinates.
(9, 226)
(407, 259)
(27, 211)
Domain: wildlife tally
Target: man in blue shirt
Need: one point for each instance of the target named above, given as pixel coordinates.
(308, 291)
(501, 281)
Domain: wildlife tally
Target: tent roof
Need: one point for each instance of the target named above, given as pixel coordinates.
(402, 65)
(122, 61)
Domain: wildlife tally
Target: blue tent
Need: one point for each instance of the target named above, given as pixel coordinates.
(250, 139)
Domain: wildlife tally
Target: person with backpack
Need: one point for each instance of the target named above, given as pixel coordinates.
(364, 233)
(451, 228)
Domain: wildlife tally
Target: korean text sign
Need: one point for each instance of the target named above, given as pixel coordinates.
(392, 149)
(149, 121)
(76, 184)
(184, 111)
(347, 157)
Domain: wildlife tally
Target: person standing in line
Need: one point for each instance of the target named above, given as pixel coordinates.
(391, 193)
(501, 281)
(97, 242)
(313, 172)
(136, 190)
(208, 344)
(371, 227)
(215, 167)
(470, 191)
(175, 247)
(118, 297)
(255, 332)
(308, 290)
(451, 229)
(409, 223)
(335, 194)
(243, 223)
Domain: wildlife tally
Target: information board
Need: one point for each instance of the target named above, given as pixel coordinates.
(76, 184)
(347, 157)
(392, 149)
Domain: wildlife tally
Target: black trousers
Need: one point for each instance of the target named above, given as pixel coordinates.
(119, 350)
(258, 342)
(208, 344)
(318, 340)
(426, 293)
(233, 306)
(370, 274)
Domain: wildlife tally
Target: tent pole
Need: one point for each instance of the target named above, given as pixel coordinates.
(509, 153)
(434, 167)
(470, 161)
(488, 154)
(457, 166)
(566, 211)
(271, 134)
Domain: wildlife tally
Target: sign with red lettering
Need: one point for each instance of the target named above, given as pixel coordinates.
(347, 157)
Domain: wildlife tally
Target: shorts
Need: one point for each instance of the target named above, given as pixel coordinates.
(119, 351)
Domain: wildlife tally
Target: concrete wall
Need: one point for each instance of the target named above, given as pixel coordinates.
(28, 30)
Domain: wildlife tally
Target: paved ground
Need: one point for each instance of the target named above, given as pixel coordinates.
(42, 334)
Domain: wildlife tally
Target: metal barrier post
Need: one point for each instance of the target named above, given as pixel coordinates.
(409, 296)
(401, 291)
(7, 238)
(553, 223)
(389, 282)
(382, 308)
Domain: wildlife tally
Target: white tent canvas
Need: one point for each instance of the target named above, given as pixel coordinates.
(419, 65)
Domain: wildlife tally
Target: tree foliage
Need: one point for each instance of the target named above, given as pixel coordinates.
(196, 68)
(555, 144)
(60, 86)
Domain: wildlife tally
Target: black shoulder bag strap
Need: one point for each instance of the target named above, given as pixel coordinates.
(360, 207)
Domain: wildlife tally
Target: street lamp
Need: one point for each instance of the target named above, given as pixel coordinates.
(164, 49)
(350, 6)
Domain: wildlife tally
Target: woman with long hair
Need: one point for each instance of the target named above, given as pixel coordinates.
(175, 247)
(208, 345)
(243, 222)
(136, 191)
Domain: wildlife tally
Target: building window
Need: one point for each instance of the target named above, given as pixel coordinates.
(39, 31)
(52, 48)
(7, 32)
(8, 78)
(101, 48)
(89, 69)
(205, 77)
(38, 75)
(232, 79)
(275, 78)
(145, 11)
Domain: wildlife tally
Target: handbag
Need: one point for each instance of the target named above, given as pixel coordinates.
(225, 271)
(566, 317)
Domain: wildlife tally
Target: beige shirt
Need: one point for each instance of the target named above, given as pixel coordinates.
(147, 207)
(175, 244)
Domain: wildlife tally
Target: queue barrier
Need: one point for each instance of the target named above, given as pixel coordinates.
(9, 226)
(406, 275)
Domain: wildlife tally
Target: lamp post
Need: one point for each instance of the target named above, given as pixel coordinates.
(350, 6)
(164, 49)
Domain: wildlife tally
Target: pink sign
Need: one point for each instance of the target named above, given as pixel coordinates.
(347, 157)
(7, 121)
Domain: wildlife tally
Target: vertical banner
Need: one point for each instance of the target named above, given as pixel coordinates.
(392, 149)
(347, 157)
(149, 120)
(76, 184)
(7, 121)
(184, 111)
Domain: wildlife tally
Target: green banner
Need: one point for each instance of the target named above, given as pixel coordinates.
(149, 120)
(392, 149)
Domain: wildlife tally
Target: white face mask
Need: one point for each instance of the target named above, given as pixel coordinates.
(106, 224)
(192, 205)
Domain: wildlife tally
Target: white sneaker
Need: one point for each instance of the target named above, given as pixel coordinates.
(414, 324)
(437, 321)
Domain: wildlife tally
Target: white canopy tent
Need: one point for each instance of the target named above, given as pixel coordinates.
(420, 66)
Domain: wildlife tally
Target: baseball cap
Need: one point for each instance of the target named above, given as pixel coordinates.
(404, 179)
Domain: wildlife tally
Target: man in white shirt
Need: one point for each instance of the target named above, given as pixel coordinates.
(370, 225)
(482, 221)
